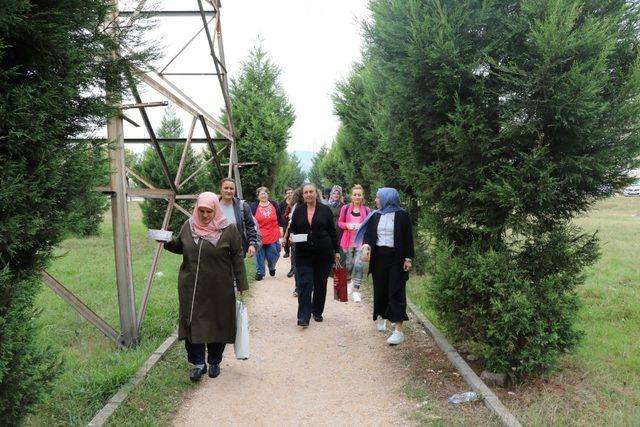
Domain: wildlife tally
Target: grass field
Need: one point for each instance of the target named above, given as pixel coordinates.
(599, 384)
(93, 368)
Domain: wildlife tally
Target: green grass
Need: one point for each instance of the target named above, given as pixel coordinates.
(598, 384)
(154, 400)
(94, 369)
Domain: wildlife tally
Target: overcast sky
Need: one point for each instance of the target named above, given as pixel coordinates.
(315, 43)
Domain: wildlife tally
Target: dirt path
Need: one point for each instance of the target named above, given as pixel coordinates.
(338, 372)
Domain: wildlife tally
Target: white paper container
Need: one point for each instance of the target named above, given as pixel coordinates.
(163, 235)
(298, 238)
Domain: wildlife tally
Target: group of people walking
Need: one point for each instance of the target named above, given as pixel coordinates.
(318, 231)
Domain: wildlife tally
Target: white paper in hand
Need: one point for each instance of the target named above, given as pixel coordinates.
(298, 238)
(241, 345)
(162, 235)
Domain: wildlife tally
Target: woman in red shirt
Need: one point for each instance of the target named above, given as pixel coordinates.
(271, 224)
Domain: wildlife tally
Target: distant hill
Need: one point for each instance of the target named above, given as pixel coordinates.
(305, 158)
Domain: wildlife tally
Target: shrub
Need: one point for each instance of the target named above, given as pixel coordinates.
(517, 305)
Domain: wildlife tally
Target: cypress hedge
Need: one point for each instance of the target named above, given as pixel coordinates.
(53, 57)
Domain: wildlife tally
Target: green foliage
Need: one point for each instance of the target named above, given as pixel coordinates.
(503, 121)
(289, 175)
(519, 126)
(54, 62)
(315, 173)
(518, 307)
(87, 209)
(609, 314)
(26, 369)
(150, 168)
(262, 117)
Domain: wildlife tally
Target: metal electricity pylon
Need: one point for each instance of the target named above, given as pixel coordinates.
(208, 18)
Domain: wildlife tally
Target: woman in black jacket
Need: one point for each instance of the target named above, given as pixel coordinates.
(314, 256)
(387, 237)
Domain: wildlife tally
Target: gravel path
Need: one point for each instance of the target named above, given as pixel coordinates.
(338, 372)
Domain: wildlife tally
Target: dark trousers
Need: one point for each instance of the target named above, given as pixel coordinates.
(389, 286)
(311, 282)
(293, 257)
(195, 352)
(293, 266)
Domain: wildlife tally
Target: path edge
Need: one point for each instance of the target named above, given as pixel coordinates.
(117, 399)
(490, 400)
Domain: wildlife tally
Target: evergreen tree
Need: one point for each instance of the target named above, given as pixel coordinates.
(514, 117)
(150, 168)
(334, 165)
(53, 57)
(315, 172)
(88, 209)
(355, 103)
(290, 174)
(262, 117)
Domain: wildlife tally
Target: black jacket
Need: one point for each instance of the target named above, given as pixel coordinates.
(283, 205)
(402, 237)
(245, 225)
(281, 222)
(321, 234)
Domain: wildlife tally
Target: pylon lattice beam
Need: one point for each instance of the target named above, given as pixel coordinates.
(130, 319)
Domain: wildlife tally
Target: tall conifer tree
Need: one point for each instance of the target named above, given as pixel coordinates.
(507, 119)
(262, 117)
(54, 58)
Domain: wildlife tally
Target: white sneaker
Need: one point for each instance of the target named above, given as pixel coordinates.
(382, 324)
(350, 288)
(397, 337)
(357, 297)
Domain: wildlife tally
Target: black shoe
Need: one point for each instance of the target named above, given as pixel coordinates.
(258, 277)
(214, 371)
(303, 323)
(318, 318)
(272, 272)
(291, 273)
(285, 256)
(197, 373)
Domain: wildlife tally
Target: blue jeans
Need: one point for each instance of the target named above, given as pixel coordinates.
(355, 266)
(270, 253)
(311, 283)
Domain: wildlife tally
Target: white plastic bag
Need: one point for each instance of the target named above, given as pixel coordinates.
(241, 345)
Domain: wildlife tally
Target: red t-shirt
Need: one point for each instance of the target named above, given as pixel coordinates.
(268, 222)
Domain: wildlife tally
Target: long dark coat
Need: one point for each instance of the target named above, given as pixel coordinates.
(208, 307)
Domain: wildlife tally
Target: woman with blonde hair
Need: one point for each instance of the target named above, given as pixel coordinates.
(349, 220)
